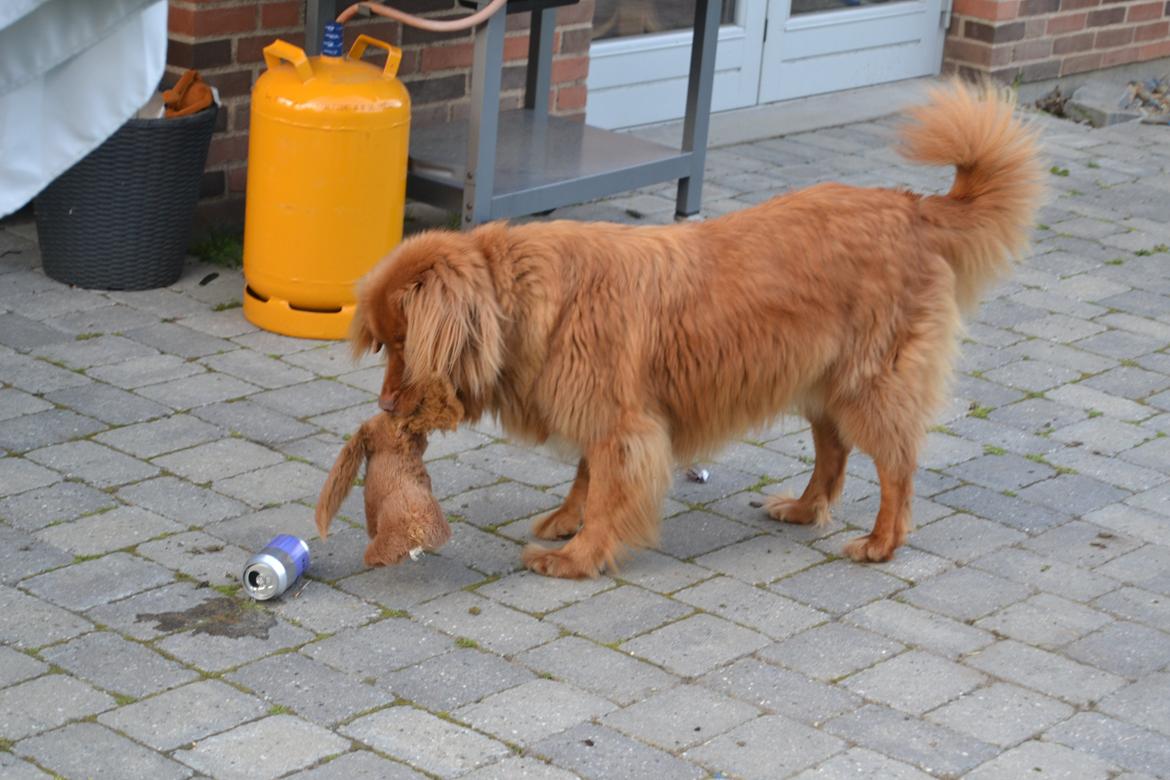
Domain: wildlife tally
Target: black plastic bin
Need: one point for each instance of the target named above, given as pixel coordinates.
(120, 219)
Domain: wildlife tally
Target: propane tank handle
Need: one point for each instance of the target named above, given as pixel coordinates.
(283, 50)
(393, 53)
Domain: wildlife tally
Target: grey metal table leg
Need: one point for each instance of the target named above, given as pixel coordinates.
(317, 13)
(690, 189)
(483, 124)
(540, 51)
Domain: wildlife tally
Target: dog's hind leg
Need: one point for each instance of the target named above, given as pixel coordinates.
(563, 522)
(629, 473)
(825, 485)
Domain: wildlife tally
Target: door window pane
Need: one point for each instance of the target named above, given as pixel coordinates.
(621, 18)
(817, 6)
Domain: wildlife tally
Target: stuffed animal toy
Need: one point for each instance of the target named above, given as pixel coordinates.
(402, 516)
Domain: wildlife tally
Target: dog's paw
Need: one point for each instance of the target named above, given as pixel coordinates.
(557, 563)
(867, 549)
(797, 511)
(558, 524)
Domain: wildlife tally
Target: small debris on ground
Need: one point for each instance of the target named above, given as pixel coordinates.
(695, 474)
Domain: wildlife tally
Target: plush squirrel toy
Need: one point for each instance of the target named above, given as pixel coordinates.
(402, 516)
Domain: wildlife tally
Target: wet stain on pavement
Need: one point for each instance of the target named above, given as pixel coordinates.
(216, 617)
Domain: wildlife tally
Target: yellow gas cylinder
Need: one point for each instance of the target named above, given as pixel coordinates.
(327, 151)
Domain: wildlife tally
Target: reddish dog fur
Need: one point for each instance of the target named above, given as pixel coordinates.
(401, 512)
(647, 346)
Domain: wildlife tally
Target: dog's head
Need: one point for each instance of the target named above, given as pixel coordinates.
(431, 306)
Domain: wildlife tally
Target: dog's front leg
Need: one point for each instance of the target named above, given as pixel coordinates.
(563, 522)
(628, 474)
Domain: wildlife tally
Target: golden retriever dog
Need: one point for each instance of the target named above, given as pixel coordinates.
(643, 347)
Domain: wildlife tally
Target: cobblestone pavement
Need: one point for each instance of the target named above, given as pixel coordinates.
(151, 440)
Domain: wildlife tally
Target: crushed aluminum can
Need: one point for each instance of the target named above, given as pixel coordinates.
(698, 475)
(274, 569)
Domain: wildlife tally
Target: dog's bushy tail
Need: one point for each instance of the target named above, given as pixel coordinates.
(985, 221)
(340, 479)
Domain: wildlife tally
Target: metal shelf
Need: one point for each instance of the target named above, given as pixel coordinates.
(497, 165)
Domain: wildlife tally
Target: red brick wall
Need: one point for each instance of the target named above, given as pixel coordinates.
(223, 39)
(1035, 40)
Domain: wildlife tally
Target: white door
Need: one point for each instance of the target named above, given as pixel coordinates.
(818, 46)
(641, 54)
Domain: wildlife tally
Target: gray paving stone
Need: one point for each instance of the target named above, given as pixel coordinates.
(1002, 472)
(489, 553)
(936, 749)
(766, 747)
(97, 581)
(1046, 672)
(761, 559)
(45, 428)
(914, 682)
(490, 506)
(536, 594)
(132, 616)
(618, 614)
(913, 626)
(445, 682)
(1129, 382)
(1037, 415)
(962, 537)
(1043, 572)
(1153, 454)
(532, 711)
(312, 398)
(411, 582)
(1146, 567)
(142, 371)
(211, 650)
(46, 703)
(14, 768)
(17, 667)
(1126, 649)
(589, 666)
(1032, 375)
(1044, 759)
(681, 717)
(1044, 620)
(218, 460)
(22, 555)
(184, 715)
(24, 334)
(494, 626)
(519, 464)
(14, 403)
(108, 404)
(380, 648)
(181, 501)
(660, 573)
(37, 376)
(197, 555)
(112, 663)
(18, 475)
(344, 421)
(838, 586)
(104, 754)
(1108, 469)
(323, 609)
(450, 478)
(1142, 703)
(115, 318)
(1081, 544)
(287, 481)
(98, 351)
(773, 615)
(253, 531)
(777, 690)
(696, 644)
(695, 533)
(1001, 714)
(830, 651)
(359, 765)
(861, 763)
(279, 744)
(254, 422)
(595, 752)
(332, 559)
(1084, 397)
(146, 440)
(424, 741)
(965, 594)
(175, 339)
(29, 622)
(1137, 604)
(1004, 436)
(525, 768)
(122, 527)
(92, 463)
(199, 390)
(311, 689)
(1115, 741)
(1154, 500)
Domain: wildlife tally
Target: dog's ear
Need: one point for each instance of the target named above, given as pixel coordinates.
(361, 340)
(453, 329)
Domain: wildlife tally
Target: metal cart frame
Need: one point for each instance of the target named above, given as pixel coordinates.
(497, 164)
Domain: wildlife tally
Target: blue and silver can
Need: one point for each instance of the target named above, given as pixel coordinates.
(274, 569)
